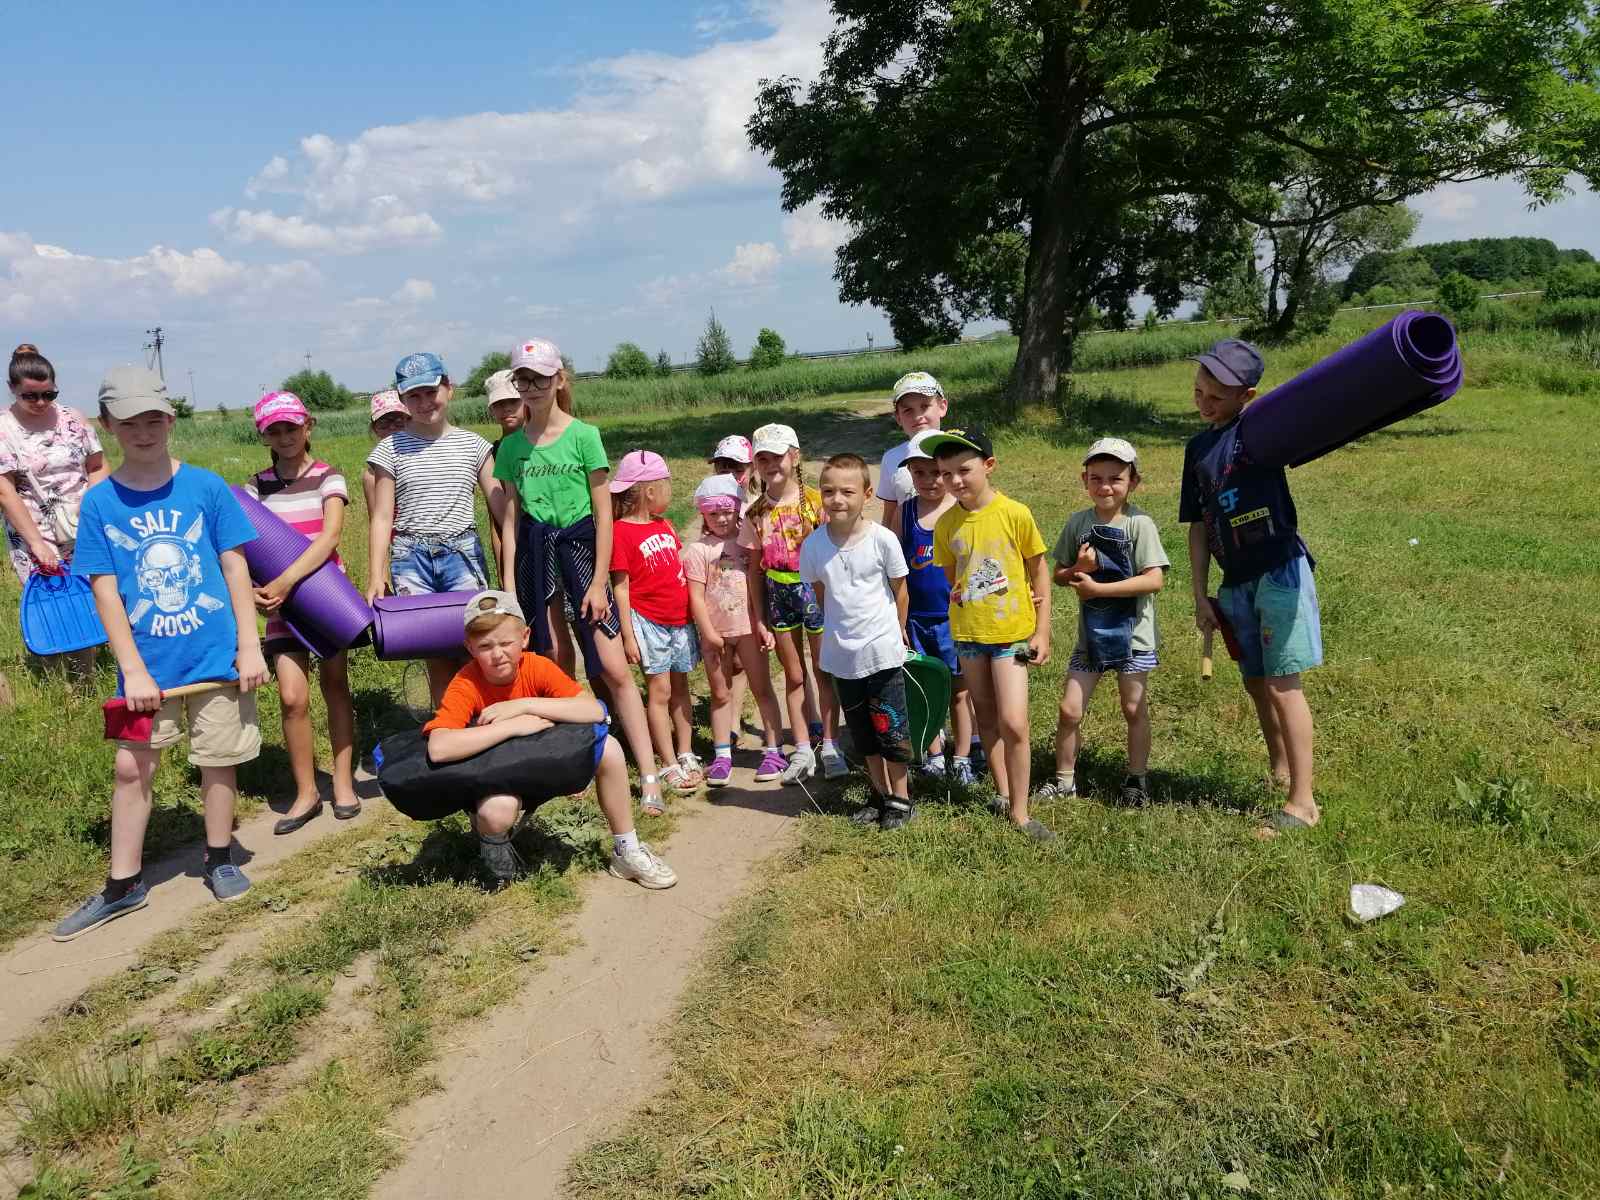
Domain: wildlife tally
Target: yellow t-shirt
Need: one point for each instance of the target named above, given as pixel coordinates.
(988, 549)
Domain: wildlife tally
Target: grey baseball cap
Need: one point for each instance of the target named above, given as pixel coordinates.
(125, 392)
(1236, 363)
(491, 604)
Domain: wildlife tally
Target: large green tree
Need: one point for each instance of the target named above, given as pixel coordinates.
(1126, 143)
(495, 360)
(319, 390)
(628, 361)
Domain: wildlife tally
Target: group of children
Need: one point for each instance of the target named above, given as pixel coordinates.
(956, 570)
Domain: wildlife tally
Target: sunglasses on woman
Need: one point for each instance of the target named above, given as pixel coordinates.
(46, 397)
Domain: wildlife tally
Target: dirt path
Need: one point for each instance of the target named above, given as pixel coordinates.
(39, 975)
(546, 1074)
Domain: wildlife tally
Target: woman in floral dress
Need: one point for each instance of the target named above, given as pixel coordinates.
(49, 456)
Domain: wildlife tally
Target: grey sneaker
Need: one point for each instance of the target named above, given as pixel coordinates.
(96, 911)
(227, 882)
(500, 859)
(1038, 831)
(643, 867)
(895, 814)
(933, 766)
(834, 765)
(802, 765)
(961, 772)
(868, 813)
(1136, 791)
(1056, 790)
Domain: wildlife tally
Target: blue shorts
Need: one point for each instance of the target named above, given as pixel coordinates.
(792, 605)
(931, 636)
(419, 566)
(989, 649)
(665, 647)
(1276, 621)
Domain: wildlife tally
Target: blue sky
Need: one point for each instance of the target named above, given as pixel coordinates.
(358, 182)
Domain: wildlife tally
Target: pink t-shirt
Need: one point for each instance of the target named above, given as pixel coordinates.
(720, 564)
(299, 503)
(56, 459)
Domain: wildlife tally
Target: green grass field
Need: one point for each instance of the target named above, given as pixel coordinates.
(1155, 1006)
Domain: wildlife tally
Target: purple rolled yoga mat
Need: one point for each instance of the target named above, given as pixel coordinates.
(325, 611)
(1392, 373)
(428, 626)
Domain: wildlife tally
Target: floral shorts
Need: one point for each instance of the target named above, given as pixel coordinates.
(791, 606)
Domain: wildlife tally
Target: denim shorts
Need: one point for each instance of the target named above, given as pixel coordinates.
(420, 566)
(665, 647)
(792, 605)
(989, 649)
(1276, 620)
(931, 636)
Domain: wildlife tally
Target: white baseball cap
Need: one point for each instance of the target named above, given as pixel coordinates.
(735, 448)
(1113, 447)
(914, 447)
(499, 387)
(538, 355)
(775, 439)
(919, 383)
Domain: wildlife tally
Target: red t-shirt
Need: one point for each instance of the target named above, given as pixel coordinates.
(470, 693)
(648, 552)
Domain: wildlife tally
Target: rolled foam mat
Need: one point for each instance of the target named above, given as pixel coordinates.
(325, 611)
(58, 614)
(1392, 373)
(428, 626)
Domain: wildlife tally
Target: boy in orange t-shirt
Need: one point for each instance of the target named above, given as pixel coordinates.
(508, 691)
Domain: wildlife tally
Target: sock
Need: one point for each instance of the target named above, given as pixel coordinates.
(1065, 778)
(814, 728)
(962, 758)
(827, 746)
(116, 889)
(724, 750)
(623, 843)
(976, 746)
(772, 748)
(218, 856)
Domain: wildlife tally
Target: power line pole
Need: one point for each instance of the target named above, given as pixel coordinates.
(192, 399)
(154, 346)
(308, 360)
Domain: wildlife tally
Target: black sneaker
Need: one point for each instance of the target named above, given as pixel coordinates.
(895, 814)
(1136, 791)
(500, 860)
(869, 812)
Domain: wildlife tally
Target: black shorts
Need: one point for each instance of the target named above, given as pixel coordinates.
(875, 712)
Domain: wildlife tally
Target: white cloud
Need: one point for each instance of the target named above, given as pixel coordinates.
(38, 280)
(752, 263)
(414, 291)
(387, 225)
(644, 127)
(1450, 203)
(807, 234)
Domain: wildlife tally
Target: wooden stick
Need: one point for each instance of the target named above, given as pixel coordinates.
(1206, 670)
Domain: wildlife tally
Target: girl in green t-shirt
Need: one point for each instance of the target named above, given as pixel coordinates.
(556, 527)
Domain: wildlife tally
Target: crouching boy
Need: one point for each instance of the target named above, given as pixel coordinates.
(508, 691)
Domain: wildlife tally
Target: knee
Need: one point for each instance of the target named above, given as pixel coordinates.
(1013, 729)
(1071, 715)
(497, 814)
(129, 770)
(294, 699)
(1135, 711)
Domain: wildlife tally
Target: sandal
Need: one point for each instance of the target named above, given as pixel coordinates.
(650, 801)
(693, 773)
(677, 779)
(1281, 822)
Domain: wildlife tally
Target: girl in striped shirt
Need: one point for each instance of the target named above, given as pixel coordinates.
(310, 496)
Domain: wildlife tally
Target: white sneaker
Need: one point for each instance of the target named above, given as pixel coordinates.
(643, 867)
(834, 765)
(802, 765)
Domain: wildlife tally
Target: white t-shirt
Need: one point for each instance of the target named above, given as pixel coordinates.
(434, 479)
(860, 627)
(891, 488)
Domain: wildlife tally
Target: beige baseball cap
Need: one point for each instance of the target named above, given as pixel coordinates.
(492, 604)
(1113, 447)
(499, 387)
(126, 392)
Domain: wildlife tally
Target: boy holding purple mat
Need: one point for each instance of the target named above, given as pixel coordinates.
(1241, 513)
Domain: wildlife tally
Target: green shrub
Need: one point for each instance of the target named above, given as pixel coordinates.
(628, 361)
(1572, 318)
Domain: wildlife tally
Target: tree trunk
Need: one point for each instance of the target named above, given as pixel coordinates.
(1046, 288)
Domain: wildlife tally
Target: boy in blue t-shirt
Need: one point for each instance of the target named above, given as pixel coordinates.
(928, 621)
(1241, 513)
(159, 542)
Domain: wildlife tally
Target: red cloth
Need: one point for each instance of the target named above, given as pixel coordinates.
(649, 552)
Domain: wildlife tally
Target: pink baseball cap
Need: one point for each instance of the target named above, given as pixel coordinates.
(387, 402)
(537, 355)
(735, 447)
(639, 466)
(280, 406)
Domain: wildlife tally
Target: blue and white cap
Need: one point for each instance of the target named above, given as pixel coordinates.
(418, 371)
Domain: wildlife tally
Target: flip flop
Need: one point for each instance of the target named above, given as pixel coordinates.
(1282, 821)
